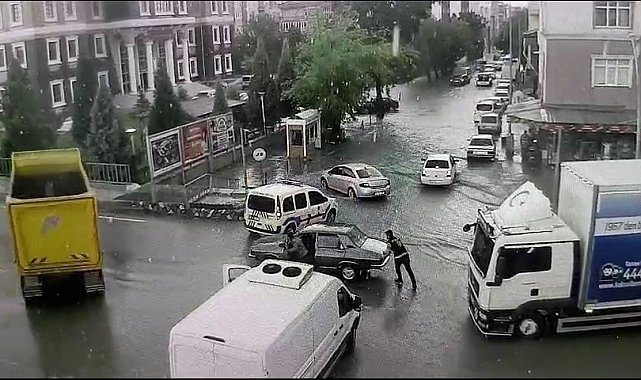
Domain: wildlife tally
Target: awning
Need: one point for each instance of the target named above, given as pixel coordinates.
(572, 119)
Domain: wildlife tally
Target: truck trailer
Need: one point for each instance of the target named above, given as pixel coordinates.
(53, 218)
(533, 271)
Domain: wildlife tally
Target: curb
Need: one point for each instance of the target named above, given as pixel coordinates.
(195, 210)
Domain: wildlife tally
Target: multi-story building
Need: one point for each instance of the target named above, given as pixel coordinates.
(126, 41)
(300, 14)
(587, 78)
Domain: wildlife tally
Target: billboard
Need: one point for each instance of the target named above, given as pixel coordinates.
(615, 271)
(165, 152)
(195, 141)
(222, 132)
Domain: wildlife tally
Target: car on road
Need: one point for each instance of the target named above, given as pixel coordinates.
(459, 80)
(483, 80)
(337, 247)
(489, 68)
(439, 170)
(503, 81)
(503, 94)
(356, 180)
(489, 123)
(285, 206)
(498, 65)
(481, 146)
(499, 105)
(485, 106)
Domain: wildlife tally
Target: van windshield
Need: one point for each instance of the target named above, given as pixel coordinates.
(261, 203)
(437, 164)
(484, 107)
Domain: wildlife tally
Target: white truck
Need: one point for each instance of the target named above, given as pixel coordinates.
(535, 272)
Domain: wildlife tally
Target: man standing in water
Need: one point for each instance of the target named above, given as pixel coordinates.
(401, 257)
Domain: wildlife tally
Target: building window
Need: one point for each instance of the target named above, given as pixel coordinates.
(612, 13)
(215, 30)
(612, 72)
(57, 93)
(179, 39)
(99, 44)
(3, 59)
(226, 34)
(182, 7)
(103, 78)
(96, 9)
(143, 6)
(218, 64)
(70, 11)
(51, 14)
(214, 7)
(163, 8)
(20, 53)
(16, 13)
(181, 69)
(228, 67)
(72, 48)
(72, 88)
(224, 8)
(191, 35)
(193, 67)
(53, 51)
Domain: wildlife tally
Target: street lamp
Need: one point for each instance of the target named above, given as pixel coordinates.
(633, 42)
(131, 132)
(262, 106)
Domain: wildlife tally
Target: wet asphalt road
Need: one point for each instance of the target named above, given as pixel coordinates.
(159, 269)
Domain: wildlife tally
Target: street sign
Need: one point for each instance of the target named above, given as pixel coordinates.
(259, 154)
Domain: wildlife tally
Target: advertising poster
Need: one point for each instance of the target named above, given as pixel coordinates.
(615, 273)
(195, 141)
(222, 132)
(165, 151)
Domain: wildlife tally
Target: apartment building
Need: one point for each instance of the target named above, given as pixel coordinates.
(126, 40)
(300, 14)
(587, 80)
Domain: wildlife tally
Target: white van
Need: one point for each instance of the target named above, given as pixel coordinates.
(483, 107)
(280, 319)
(286, 206)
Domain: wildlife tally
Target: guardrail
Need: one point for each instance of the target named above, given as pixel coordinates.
(96, 171)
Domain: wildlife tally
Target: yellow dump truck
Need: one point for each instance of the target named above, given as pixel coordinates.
(53, 217)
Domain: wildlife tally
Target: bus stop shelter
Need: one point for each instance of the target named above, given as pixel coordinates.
(303, 132)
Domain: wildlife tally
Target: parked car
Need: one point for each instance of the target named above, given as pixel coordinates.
(503, 81)
(483, 80)
(489, 68)
(458, 80)
(480, 64)
(499, 105)
(481, 146)
(356, 180)
(439, 169)
(503, 94)
(338, 247)
(483, 107)
(489, 123)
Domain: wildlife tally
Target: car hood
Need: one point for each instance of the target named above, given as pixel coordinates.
(374, 245)
(269, 244)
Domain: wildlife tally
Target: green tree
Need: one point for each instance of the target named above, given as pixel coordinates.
(263, 27)
(86, 86)
(260, 67)
(166, 113)
(259, 84)
(285, 80)
(378, 17)
(220, 100)
(106, 140)
(519, 26)
(25, 120)
(330, 74)
(476, 25)
(141, 109)
(441, 45)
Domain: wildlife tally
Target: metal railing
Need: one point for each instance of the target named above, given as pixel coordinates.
(96, 171)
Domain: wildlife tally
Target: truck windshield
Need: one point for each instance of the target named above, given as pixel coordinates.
(482, 249)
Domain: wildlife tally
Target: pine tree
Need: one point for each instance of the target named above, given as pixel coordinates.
(141, 109)
(166, 113)
(220, 100)
(24, 118)
(86, 87)
(259, 83)
(106, 140)
(285, 80)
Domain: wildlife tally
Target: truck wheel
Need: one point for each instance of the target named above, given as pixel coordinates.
(530, 326)
(348, 273)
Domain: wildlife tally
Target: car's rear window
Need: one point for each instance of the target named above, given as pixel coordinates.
(261, 203)
(437, 164)
(368, 172)
(484, 107)
(481, 142)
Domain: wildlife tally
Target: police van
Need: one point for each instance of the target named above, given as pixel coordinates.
(280, 319)
(286, 206)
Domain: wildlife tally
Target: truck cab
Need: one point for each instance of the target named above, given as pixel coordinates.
(522, 259)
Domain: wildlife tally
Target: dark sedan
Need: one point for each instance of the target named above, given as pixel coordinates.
(459, 80)
(336, 247)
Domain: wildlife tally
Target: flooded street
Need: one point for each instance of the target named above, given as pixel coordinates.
(159, 269)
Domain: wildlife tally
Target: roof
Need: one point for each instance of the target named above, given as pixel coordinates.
(439, 156)
(608, 172)
(239, 314)
(280, 187)
(339, 228)
(307, 114)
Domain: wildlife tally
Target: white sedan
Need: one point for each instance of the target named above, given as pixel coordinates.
(356, 181)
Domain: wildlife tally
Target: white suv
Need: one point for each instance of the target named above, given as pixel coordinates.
(286, 206)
